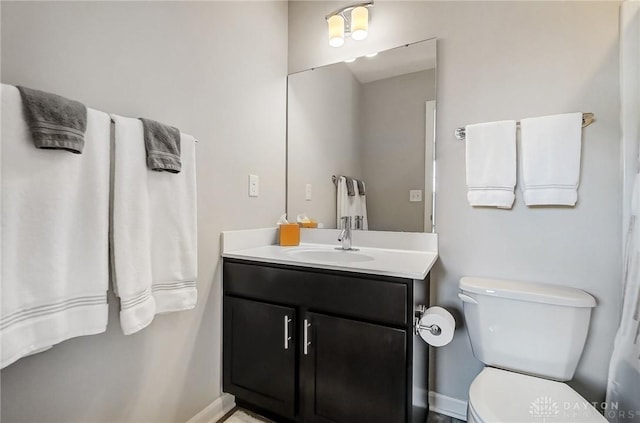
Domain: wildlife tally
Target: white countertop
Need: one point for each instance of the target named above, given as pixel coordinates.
(415, 262)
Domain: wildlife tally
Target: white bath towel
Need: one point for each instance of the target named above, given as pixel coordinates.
(54, 235)
(551, 159)
(342, 202)
(130, 230)
(491, 163)
(154, 239)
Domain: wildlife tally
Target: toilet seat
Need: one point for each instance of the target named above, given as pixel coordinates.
(503, 396)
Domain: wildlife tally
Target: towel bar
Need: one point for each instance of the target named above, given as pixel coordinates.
(195, 139)
(587, 119)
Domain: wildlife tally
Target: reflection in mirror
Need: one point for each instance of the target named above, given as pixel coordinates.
(372, 119)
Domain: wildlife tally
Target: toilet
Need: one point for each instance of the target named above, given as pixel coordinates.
(530, 336)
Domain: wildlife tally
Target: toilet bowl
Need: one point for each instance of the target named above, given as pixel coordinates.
(503, 396)
(530, 336)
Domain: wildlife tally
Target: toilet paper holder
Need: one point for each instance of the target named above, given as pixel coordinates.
(417, 327)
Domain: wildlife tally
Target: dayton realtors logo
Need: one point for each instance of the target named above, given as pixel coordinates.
(544, 408)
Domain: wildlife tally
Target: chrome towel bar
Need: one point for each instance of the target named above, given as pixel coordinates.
(587, 119)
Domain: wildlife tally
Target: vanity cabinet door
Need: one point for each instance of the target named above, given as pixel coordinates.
(259, 354)
(353, 371)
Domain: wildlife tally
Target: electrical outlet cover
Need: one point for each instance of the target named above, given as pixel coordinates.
(415, 195)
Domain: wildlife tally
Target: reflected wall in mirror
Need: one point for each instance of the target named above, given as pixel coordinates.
(372, 119)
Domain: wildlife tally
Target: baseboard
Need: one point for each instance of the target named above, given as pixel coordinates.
(439, 403)
(448, 406)
(214, 411)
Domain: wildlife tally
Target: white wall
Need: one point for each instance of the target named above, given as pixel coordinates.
(509, 60)
(193, 65)
(392, 149)
(323, 139)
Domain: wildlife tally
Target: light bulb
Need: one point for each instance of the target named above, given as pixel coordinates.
(359, 23)
(336, 30)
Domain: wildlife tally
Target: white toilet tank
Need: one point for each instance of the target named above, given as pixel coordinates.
(527, 327)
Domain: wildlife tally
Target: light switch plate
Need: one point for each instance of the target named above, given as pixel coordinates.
(254, 185)
(415, 195)
(307, 192)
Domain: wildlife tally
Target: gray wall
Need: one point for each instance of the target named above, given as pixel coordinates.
(393, 150)
(194, 65)
(510, 60)
(323, 139)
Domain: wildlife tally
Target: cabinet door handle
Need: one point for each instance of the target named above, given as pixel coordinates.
(307, 325)
(287, 338)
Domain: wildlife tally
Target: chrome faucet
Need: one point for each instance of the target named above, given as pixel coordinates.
(345, 235)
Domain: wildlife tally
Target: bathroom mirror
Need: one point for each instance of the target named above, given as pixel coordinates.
(372, 119)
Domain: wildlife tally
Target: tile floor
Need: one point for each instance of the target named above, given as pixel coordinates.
(242, 416)
(434, 417)
(238, 415)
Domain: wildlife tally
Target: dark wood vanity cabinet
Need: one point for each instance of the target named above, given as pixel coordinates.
(357, 372)
(261, 361)
(312, 345)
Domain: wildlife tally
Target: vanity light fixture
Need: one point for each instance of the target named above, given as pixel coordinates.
(350, 20)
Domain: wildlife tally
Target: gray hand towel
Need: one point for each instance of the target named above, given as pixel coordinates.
(163, 146)
(54, 121)
(350, 191)
(360, 186)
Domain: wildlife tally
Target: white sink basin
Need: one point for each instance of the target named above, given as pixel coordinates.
(329, 255)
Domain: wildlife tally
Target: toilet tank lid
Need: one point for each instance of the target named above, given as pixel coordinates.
(528, 291)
